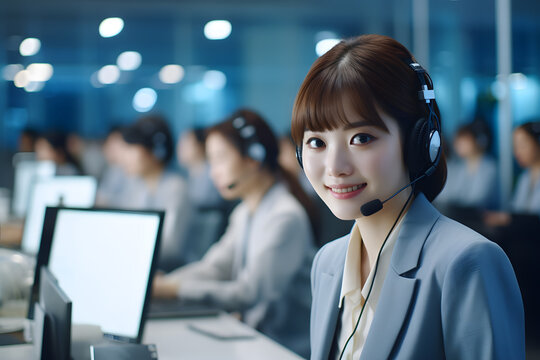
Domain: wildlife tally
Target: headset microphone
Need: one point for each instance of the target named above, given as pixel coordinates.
(243, 177)
(371, 207)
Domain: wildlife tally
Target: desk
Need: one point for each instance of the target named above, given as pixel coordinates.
(174, 340)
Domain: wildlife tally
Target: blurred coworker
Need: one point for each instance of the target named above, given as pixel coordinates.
(260, 266)
(149, 147)
(53, 146)
(472, 178)
(192, 156)
(113, 181)
(88, 154)
(526, 199)
(27, 140)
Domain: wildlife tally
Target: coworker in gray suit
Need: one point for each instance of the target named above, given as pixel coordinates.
(260, 266)
(407, 282)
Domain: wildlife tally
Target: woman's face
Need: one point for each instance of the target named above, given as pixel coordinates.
(526, 150)
(44, 150)
(188, 149)
(230, 171)
(113, 148)
(351, 166)
(136, 159)
(465, 146)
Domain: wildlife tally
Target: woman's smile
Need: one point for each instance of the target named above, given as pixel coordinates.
(345, 191)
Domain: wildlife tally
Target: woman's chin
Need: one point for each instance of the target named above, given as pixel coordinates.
(346, 215)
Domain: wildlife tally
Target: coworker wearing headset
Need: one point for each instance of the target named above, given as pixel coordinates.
(260, 266)
(368, 128)
(149, 148)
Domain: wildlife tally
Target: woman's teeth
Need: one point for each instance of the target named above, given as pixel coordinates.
(346, 190)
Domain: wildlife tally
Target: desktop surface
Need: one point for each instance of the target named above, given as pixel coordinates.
(175, 340)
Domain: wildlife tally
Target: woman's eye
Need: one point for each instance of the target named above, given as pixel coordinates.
(361, 139)
(315, 143)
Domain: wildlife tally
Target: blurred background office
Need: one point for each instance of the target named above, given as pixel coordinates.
(85, 70)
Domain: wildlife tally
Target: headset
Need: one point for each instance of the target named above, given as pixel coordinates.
(253, 147)
(424, 147)
(157, 139)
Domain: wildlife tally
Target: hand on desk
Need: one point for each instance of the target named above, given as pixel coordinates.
(164, 288)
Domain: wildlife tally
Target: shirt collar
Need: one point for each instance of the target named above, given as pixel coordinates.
(351, 283)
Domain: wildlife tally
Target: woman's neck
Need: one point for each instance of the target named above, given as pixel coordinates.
(260, 186)
(152, 177)
(374, 229)
(197, 168)
(473, 161)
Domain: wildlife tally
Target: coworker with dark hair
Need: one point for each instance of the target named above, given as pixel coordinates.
(472, 177)
(407, 282)
(27, 140)
(53, 146)
(260, 266)
(526, 199)
(527, 152)
(148, 149)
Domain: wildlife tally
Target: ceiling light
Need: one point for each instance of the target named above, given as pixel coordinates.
(217, 29)
(111, 27)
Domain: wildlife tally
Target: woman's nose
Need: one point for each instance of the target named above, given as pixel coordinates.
(338, 162)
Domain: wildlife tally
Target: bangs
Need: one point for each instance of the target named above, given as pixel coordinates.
(321, 101)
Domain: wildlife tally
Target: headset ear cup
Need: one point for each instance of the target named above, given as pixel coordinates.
(257, 152)
(299, 156)
(417, 151)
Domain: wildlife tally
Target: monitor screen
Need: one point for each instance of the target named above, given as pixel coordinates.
(57, 308)
(27, 172)
(104, 260)
(73, 191)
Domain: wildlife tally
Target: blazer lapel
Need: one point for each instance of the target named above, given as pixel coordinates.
(328, 293)
(396, 299)
(397, 294)
(331, 291)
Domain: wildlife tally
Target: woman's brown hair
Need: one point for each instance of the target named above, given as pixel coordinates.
(371, 72)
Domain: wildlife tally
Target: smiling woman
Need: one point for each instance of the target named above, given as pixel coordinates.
(407, 282)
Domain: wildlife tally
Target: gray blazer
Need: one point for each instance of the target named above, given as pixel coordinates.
(449, 293)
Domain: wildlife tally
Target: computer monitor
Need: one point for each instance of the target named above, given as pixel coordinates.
(104, 260)
(57, 325)
(27, 172)
(73, 191)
